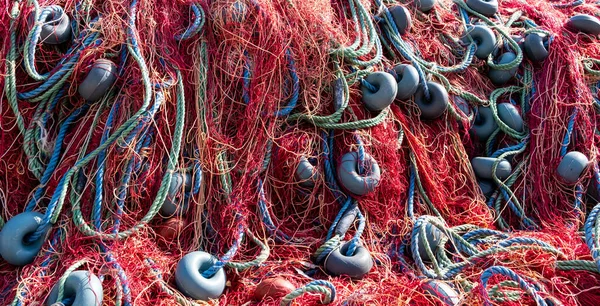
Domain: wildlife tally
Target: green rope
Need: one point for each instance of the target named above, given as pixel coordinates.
(287, 300)
(63, 279)
(442, 264)
(262, 257)
(514, 46)
(420, 186)
(584, 265)
(499, 294)
(164, 287)
(337, 115)
(10, 85)
(364, 28)
(588, 66)
(124, 129)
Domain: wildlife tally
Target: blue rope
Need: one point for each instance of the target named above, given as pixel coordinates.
(295, 86)
(96, 208)
(411, 194)
(523, 241)
(348, 205)
(266, 217)
(246, 75)
(55, 159)
(523, 284)
(516, 147)
(368, 85)
(330, 178)
(355, 241)
(484, 232)
(567, 139)
(63, 67)
(196, 26)
(529, 224)
(210, 272)
(590, 236)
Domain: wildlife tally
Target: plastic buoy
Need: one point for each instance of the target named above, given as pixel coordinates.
(306, 173)
(487, 187)
(14, 247)
(585, 23)
(424, 5)
(175, 203)
(401, 17)
(572, 166)
(482, 166)
(483, 37)
(510, 116)
(501, 77)
(351, 180)
(356, 265)
(484, 124)
(534, 47)
(385, 93)
(462, 105)
(97, 82)
(171, 228)
(56, 27)
(273, 288)
(83, 287)
(484, 7)
(190, 281)
(433, 237)
(437, 103)
(442, 291)
(407, 79)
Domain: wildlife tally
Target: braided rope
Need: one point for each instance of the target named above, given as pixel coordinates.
(318, 286)
(523, 284)
(63, 279)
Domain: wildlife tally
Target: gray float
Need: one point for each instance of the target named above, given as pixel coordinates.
(462, 105)
(487, 187)
(190, 281)
(433, 236)
(99, 80)
(174, 202)
(13, 246)
(436, 105)
(484, 124)
(424, 5)
(483, 37)
(572, 166)
(442, 291)
(510, 116)
(501, 77)
(401, 17)
(407, 78)
(84, 287)
(306, 173)
(56, 28)
(585, 24)
(482, 166)
(534, 47)
(355, 266)
(346, 221)
(356, 183)
(484, 7)
(385, 94)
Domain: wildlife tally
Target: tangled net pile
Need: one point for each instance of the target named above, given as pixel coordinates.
(267, 134)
